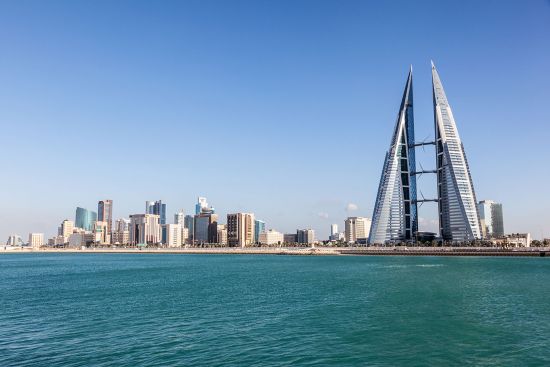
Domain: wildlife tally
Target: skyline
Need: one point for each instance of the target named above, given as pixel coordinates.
(287, 122)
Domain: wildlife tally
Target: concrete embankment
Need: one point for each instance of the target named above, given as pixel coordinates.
(327, 251)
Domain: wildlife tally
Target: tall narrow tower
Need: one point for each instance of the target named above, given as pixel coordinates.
(458, 216)
(395, 212)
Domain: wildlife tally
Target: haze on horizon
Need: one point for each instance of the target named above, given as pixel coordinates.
(284, 109)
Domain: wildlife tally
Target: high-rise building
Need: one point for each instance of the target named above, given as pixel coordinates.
(395, 210)
(174, 235)
(458, 216)
(101, 234)
(85, 219)
(205, 228)
(36, 240)
(222, 234)
(357, 229)
(305, 236)
(491, 219)
(179, 218)
(157, 208)
(66, 228)
(334, 235)
(145, 229)
(259, 227)
(15, 240)
(105, 213)
(188, 222)
(271, 237)
(202, 206)
(240, 229)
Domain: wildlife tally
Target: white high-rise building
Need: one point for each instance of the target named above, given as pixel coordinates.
(222, 234)
(66, 228)
(174, 235)
(179, 218)
(36, 240)
(491, 219)
(357, 229)
(145, 229)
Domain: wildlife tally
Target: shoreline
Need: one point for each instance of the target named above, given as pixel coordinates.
(297, 251)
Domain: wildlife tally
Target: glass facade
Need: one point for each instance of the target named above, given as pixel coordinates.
(395, 212)
(458, 212)
(259, 227)
(85, 219)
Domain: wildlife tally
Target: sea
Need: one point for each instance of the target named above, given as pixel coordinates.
(272, 310)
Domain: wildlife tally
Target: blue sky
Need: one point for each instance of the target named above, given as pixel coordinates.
(281, 108)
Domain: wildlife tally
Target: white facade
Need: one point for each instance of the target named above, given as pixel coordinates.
(271, 237)
(36, 240)
(490, 219)
(66, 228)
(145, 229)
(357, 228)
(174, 235)
(179, 218)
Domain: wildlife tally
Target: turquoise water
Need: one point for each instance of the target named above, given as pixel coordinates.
(224, 310)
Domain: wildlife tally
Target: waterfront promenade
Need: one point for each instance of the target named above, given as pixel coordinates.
(317, 250)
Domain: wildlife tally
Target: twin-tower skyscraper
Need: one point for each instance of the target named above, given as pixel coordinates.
(395, 216)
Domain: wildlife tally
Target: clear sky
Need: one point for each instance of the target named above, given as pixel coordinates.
(281, 108)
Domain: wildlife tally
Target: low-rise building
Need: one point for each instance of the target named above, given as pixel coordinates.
(271, 237)
(513, 240)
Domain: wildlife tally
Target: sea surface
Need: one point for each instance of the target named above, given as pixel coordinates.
(268, 310)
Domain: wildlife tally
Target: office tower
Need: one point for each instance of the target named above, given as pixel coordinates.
(491, 219)
(271, 237)
(222, 234)
(174, 235)
(357, 229)
(184, 235)
(205, 228)
(85, 219)
(259, 227)
(201, 205)
(145, 229)
(334, 235)
(305, 236)
(36, 240)
(240, 229)
(105, 213)
(121, 232)
(66, 228)
(458, 216)
(179, 218)
(101, 233)
(188, 222)
(15, 240)
(395, 211)
(157, 208)
(122, 225)
(333, 229)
